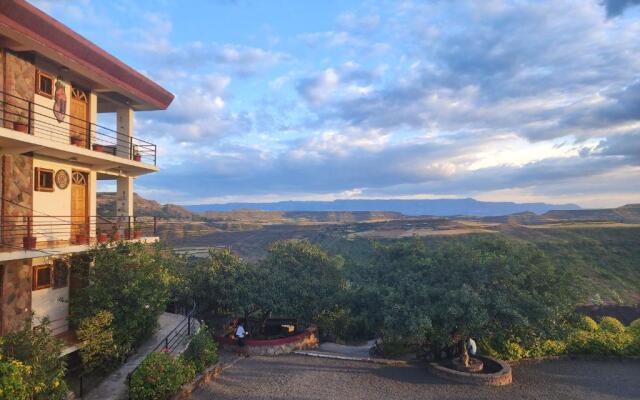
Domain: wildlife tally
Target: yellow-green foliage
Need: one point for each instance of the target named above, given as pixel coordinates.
(554, 347)
(98, 346)
(600, 342)
(14, 380)
(513, 351)
(634, 328)
(610, 324)
(587, 324)
(159, 376)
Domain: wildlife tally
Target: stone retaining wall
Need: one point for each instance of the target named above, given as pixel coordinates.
(271, 347)
(500, 378)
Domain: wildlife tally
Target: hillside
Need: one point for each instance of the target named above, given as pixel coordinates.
(629, 214)
(435, 207)
(106, 203)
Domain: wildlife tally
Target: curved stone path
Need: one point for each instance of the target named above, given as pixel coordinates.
(300, 377)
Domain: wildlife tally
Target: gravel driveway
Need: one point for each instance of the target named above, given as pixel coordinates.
(300, 377)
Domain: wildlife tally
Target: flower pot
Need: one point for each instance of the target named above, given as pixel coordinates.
(116, 236)
(81, 238)
(98, 147)
(137, 234)
(102, 237)
(20, 127)
(137, 157)
(29, 242)
(76, 141)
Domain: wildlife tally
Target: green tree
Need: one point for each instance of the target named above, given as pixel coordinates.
(132, 282)
(298, 279)
(485, 287)
(98, 348)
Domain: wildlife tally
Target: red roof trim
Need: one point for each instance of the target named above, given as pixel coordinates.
(30, 21)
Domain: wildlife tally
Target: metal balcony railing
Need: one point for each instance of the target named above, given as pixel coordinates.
(50, 231)
(35, 119)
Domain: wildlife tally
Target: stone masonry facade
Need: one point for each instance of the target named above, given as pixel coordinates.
(16, 188)
(15, 291)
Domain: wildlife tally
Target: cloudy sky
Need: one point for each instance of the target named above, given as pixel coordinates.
(496, 100)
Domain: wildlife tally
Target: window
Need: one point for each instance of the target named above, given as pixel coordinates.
(44, 84)
(41, 277)
(43, 180)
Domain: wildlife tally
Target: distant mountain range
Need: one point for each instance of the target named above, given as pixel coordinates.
(436, 207)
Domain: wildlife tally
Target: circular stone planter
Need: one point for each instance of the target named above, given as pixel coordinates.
(306, 339)
(498, 373)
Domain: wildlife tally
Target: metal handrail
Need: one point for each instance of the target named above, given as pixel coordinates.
(54, 229)
(40, 122)
(172, 339)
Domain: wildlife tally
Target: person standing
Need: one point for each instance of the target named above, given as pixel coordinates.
(241, 333)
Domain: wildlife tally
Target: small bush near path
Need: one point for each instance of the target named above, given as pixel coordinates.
(30, 361)
(609, 338)
(14, 380)
(159, 377)
(202, 351)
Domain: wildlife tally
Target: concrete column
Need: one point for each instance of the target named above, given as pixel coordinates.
(124, 196)
(93, 204)
(93, 115)
(125, 131)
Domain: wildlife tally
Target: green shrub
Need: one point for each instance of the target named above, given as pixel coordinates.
(14, 380)
(202, 351)
(610, 324)
(554, 347)
(98, 348)
(601, 342)
(159, 376)
(587, 324)
(634, 328)
(39, 350)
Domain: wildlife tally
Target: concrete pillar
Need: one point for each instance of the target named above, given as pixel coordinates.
(93, 115)
(124, 196)
(125, 131)
(93, 204)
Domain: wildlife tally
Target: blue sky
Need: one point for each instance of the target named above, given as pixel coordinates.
(496, 100)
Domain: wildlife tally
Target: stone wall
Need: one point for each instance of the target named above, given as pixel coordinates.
(18, 80)
(17, 198)
(271, 347)
(15, 295)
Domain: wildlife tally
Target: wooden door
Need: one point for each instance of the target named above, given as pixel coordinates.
(79, 217)
(78, 113)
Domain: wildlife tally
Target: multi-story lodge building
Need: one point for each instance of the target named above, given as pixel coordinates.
(53, 85)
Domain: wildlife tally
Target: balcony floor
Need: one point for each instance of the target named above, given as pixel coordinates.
(11, 254)
(14, 142)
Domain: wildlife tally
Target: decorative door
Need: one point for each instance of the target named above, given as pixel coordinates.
(79, 218)
(78, 112)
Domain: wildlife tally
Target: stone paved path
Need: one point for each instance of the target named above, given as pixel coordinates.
(114, 387)
(313, 378)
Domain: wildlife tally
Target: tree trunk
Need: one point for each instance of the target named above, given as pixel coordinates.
(464, 355)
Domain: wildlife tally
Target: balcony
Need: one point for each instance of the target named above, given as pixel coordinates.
(48, 235)
(30, 127)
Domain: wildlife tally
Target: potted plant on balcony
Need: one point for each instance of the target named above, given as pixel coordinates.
(115, 233)
(76, 140)
(136, 154)
(98, 147)
(102, 237)
(137, 230)
(21, 123)
(29, 242)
